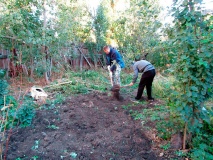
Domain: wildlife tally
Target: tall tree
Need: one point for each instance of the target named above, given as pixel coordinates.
(101, 26)
(130, 25)
(28, 23)
(72, 21)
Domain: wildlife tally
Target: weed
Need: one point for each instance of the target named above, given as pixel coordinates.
(62, 157)
(139, 116)
(73, 154)
(164, 130)
(52, 127)
(155, 117)
(35, 147)
(166, 146)
(126, 107)
(26, 113)
(136, 115)
(202, 144)
(34, 158)
(180, 153)
(59, 99)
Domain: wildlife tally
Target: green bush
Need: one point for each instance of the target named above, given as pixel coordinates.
(203, 143)
(26, 113)
(11, 114)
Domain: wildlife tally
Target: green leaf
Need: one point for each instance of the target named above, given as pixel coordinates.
(194, 94)
(184, 57)
(193, 88)
(2, 73)
(73, 154)
(204, 63)
(203, 92)
(189, 94)
(204, 41)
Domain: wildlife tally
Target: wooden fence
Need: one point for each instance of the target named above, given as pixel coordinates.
(80, 59)
(4, 60)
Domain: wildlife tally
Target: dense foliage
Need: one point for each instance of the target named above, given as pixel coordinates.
(193, 70)
(43, 32)
(13, 113)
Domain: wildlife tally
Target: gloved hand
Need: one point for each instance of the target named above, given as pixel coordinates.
(108, 67)
(114, 62)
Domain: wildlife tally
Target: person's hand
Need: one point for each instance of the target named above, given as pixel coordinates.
(131, 84)
(108, 67)
(114, 62)
(110, 74)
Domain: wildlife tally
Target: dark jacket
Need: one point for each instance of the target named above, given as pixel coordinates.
(114, 55)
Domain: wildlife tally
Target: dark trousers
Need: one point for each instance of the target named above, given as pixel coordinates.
(146, 80)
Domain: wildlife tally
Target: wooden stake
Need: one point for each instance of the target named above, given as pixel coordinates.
(184, 137)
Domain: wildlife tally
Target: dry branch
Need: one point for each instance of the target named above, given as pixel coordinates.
(58, 84)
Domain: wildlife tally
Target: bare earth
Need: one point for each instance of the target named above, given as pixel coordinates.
(92, 126)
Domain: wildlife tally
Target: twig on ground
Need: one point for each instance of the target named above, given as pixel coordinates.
(58, 84)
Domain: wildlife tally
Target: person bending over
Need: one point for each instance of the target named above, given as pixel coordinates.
(148, 74)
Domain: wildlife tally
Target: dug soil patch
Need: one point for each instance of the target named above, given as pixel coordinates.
(92, 126)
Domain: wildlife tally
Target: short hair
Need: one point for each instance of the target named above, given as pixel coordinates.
(105, 48)
(137, 58)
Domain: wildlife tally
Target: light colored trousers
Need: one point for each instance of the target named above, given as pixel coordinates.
(115, 76)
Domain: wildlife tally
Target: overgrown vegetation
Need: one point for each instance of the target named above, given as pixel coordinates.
(193, 74)
(183, 57)
(13, 113)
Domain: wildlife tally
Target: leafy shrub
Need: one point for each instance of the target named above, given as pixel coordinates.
(11, 114)
(203, 143)
(26, 113)
(8, 104)
(3, 88)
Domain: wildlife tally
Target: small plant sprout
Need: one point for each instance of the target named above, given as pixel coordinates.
(166, 146)
(73, 154)
(34, 158)
(36, 145)
(52, 126)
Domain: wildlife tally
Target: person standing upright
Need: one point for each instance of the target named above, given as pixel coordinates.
(115, 63)
(148, 74)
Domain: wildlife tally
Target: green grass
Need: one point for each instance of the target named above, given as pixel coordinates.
(162, 86)
(81, 83)
(166, 146)
(86, 81)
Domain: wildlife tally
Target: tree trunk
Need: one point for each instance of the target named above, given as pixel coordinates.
(43, 48)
